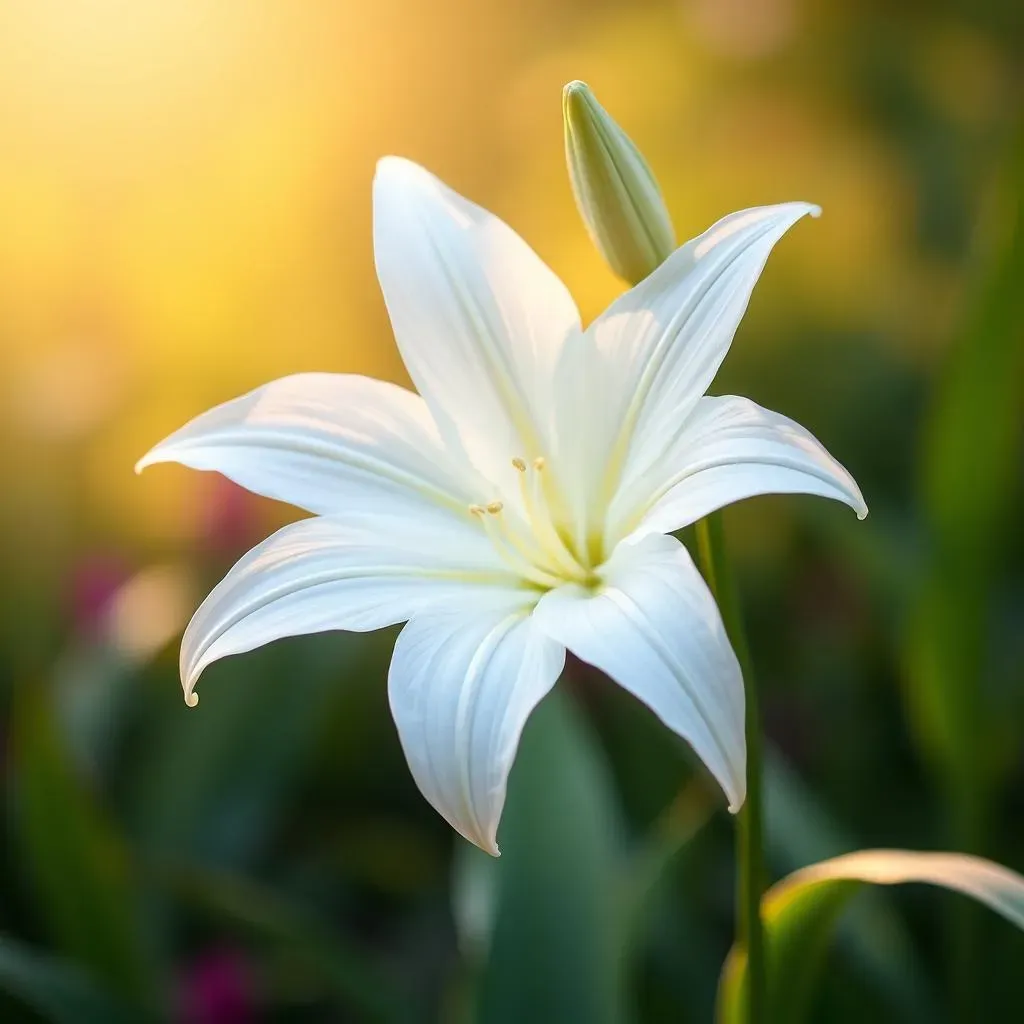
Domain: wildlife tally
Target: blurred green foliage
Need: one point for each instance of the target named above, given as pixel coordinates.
(185, 209)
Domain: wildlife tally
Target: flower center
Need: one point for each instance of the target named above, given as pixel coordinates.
(530, 543)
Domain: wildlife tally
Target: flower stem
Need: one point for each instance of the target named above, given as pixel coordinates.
(717, 571)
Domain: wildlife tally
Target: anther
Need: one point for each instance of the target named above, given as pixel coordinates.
(539, 463)
(495, 507)
(477, 510)
(519, 464)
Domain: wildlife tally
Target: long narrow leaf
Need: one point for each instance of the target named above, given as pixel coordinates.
(801, 910)
(971, 466)
(554, 953)
(800, 830)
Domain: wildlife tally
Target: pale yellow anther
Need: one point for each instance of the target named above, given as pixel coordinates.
(539, 463)
(495, 507)
(519, 464)
(477, 510)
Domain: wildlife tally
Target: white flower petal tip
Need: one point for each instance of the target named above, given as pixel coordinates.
(777, 218)
(154, 456)
(653, 627)
(356, 572)
(399, 180)
(326, 442)
(191, 698)
(461, 688)
(730, 449)
(489, 844)
(400, 169)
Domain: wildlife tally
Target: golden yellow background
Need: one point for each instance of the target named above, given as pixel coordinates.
(185, 192)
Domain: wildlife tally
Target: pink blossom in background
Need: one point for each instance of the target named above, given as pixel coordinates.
(218, 988)
(227, 516)
(94, 581)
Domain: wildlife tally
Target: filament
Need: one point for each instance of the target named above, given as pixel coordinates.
(539, 516)
(533, 549)
(511, 552)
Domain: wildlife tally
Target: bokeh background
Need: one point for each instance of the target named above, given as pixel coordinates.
(185, 214)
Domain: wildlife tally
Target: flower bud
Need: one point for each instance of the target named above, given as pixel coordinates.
(616, 193)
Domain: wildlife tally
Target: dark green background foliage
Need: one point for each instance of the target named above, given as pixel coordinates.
(269, 850)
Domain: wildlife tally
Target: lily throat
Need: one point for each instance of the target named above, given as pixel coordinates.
(529, 538)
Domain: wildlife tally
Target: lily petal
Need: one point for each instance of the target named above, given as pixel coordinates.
(325, 442)
(360, 572)
(654, 628)
(461, 688)
(731, 448)
(649, 358)
(478, 317)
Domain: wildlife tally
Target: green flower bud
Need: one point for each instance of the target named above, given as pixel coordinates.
(616, 193)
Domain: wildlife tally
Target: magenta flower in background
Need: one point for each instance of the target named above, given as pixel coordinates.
(218, 988)
(227, 517)
(92, 586)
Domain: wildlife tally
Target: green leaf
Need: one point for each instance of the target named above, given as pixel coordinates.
(59, 992)
(971, 466)
(74, 860)
(801, 910)
(554, 950)
(798, 830)
(964, 710)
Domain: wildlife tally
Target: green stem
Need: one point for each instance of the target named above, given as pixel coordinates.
(749, 835)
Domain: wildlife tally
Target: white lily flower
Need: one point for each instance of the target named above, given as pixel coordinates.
(520, 504)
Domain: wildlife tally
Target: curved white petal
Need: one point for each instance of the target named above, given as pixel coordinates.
(478, 317)
(653, 626)
(730, 448)
(647, 360)
(324, 442)
(357, 573)
(461, 687)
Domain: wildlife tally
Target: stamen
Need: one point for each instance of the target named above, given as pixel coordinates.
(534, 550)
(515, 540)
(509, 549)
(539, 517)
